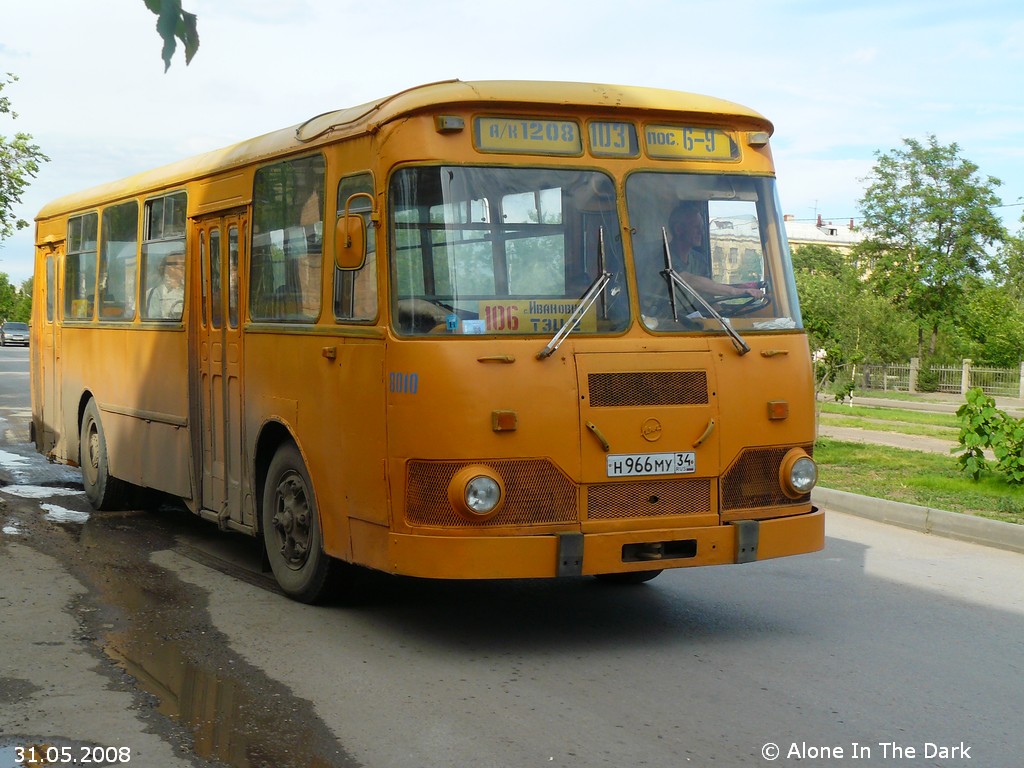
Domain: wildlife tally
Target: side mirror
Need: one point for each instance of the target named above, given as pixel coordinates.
(350, 236)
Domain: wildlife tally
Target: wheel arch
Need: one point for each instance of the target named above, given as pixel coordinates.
(83, 403)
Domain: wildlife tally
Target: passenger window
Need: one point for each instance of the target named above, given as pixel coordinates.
(216, 312)
(233, 277)
(355, 290)
(80, 268)
(163, 258)
(287, 241)
(51, 287)
(118, 256)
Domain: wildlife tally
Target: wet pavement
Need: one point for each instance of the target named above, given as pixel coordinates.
(111, 659)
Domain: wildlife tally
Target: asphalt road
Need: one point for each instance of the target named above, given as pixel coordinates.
(152, 633)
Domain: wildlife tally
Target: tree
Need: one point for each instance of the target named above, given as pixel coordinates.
(175, 24)
(930, 223)
(1011, 258)
(993, 323)
(19, 163)
(848, 322)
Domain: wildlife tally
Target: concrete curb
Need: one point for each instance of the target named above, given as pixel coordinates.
(952, 525)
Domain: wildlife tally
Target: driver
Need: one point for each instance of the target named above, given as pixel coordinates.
(685, 241)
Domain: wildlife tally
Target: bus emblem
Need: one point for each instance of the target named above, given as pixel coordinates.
(651, 430)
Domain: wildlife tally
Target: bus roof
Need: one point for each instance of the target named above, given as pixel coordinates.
(367, 118)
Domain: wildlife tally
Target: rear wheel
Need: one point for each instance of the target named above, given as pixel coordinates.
(629, 577)
(103, 490)
(291, 529)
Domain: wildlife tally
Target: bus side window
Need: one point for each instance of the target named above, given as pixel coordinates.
(118, 256)
(355, 290)
(287, 241)
(80, 267)
(163, 258)
(51, 287)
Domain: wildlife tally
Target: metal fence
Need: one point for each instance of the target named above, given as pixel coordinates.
(888, 377)
(955, 379)
(944, 378)
(998, 382)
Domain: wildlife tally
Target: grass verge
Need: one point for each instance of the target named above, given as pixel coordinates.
(916, 477)
(944, 426)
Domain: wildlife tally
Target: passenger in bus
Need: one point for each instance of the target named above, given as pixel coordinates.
(166, 300)
(689, 259)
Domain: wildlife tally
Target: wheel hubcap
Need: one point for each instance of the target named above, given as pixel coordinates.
(91, 465)
(291, 521)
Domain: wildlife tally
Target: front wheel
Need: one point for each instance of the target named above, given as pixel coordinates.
(103, 490)
(291, 528)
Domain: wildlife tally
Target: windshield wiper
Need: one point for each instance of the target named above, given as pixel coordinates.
(673, 279)
(586, 301)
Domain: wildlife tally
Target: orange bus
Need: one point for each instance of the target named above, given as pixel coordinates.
(471, 330)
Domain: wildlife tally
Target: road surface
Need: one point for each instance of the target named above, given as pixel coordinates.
(150, 632)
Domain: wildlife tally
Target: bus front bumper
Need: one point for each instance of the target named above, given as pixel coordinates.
(523, 557)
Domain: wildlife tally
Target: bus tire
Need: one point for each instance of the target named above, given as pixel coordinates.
(103, 490)
(628, 577)
(291, 528)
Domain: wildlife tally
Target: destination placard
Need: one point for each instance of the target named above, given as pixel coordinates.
(527, 316)
(613, 139)
(528, 135)
(680, 142)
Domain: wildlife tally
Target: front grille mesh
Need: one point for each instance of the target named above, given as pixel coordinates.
(648, 388)
(651, 498)
(536, 494)
(753, 480)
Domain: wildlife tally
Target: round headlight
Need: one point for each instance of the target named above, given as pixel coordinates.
(803, 475)
(477, 492)
(798, 473)
(482, 494)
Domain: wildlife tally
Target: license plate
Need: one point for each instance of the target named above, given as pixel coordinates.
(639, 464)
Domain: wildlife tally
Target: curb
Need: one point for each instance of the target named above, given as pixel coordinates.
(951, 525)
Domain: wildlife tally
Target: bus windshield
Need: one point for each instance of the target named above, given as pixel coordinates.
(504, 250)
(715, 236)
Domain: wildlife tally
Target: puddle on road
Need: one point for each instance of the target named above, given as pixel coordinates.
(156, 628)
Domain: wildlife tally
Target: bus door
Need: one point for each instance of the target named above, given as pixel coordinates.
(220, 245)
(49, 357)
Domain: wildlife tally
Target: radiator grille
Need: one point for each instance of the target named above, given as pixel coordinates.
(753, 480)
(536, 493)
(648, 388)
(654, 498)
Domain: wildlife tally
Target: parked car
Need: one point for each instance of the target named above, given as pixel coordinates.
(14, 333)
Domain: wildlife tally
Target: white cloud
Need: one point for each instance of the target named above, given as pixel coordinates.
(838, 83)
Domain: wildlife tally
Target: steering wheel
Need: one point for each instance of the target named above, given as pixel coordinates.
(735, 306)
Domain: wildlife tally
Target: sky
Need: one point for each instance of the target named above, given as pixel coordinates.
(840, 81)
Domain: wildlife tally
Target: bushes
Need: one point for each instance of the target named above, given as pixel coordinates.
(983, 426)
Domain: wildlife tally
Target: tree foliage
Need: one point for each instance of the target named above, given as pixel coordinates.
(983, 426)
(841, 315)
(174, 24)
(931, 225)
(19, 163)
(15, 304)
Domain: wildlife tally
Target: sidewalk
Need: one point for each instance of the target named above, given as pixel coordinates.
(937, 402)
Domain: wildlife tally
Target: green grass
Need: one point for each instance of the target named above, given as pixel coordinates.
(893, 414)
(940, 425)
(916, 397)
(916, 477)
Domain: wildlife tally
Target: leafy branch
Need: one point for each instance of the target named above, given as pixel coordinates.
(175, 24)
(19, 163)
(983, 426)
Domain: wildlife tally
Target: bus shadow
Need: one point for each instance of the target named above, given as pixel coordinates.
(705, 604)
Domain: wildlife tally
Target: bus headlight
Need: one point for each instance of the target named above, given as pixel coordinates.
(477, 492)
(798, 473)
